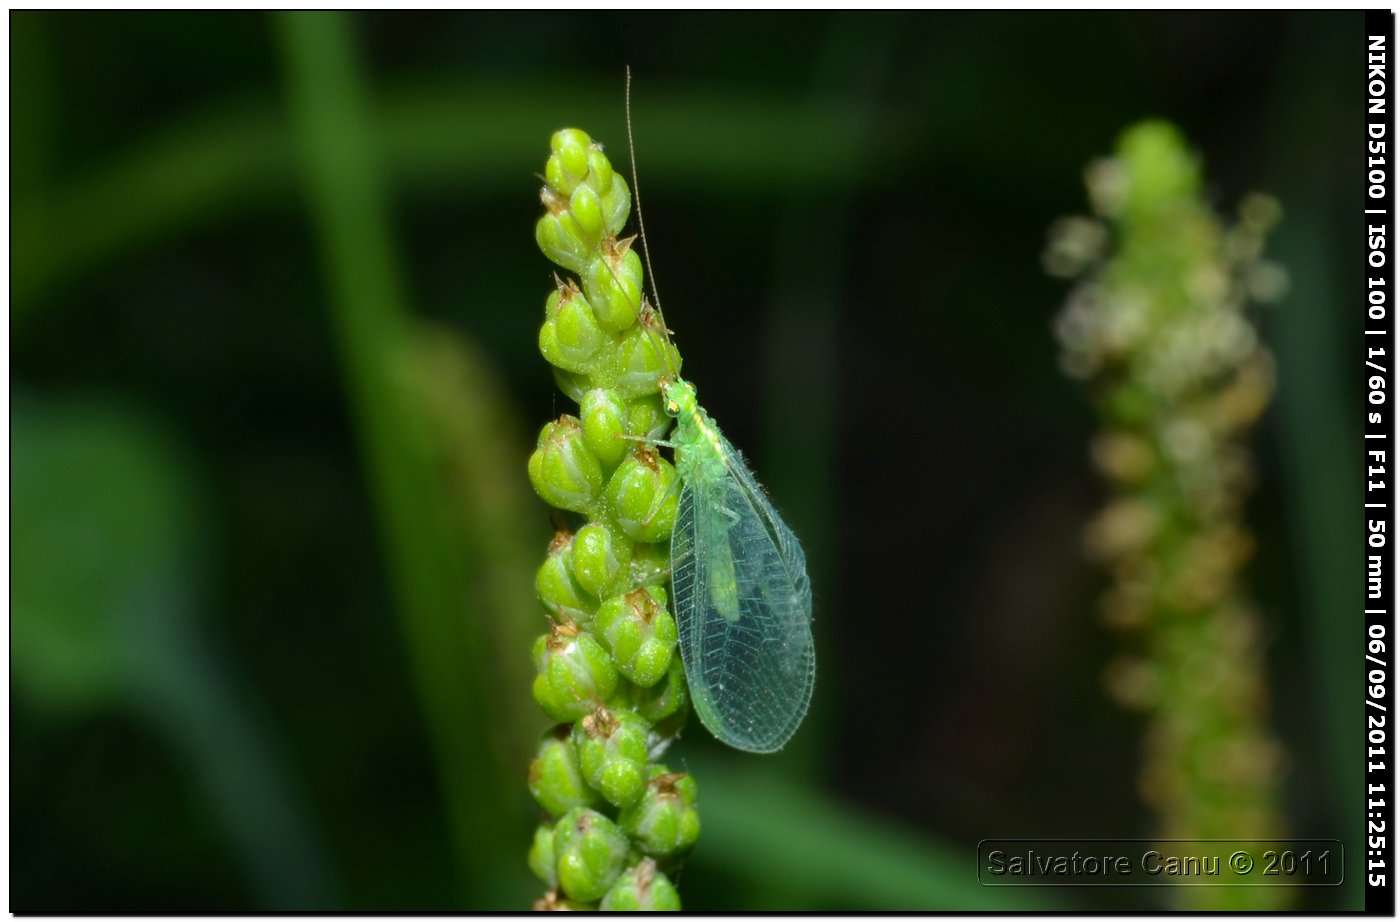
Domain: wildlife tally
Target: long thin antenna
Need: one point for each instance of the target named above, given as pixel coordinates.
(637, 200)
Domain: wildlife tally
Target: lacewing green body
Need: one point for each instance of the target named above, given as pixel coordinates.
(739, 582)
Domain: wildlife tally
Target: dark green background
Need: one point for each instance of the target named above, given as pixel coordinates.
(846, 216)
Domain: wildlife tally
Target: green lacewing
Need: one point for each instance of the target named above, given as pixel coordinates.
(739, 584)
(743, 602)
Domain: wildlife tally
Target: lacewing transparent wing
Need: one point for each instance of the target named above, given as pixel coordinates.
(738, 576)
(742, 598)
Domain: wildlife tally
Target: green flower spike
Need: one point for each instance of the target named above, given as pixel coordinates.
(642, 889)
(589, 852)
(614, 683)
(555, 780)
(1159, 325)
(664, 821)
(640, 632)
(613, 752)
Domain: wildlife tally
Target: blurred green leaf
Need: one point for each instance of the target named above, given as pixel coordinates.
(106, 573)
(102, 542)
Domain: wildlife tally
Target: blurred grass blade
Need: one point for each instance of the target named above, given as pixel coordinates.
(347, 200)
(194, 174)
(238, 155)
(759, 823)
(1320, 445)
(1321, 460)
(476, 446)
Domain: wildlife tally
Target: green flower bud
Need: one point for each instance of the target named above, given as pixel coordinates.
(570, 147)
(573, 385)
(562, 469)
(555, 585)
(642, 495)
(566, 137)
(639, 363)
(640, 632)
(651, 563)
(613, 283)
(553, 902)
(589, 852)
(616, 199)
(642, 889)
(587, 210)
(665, 820)
(574, 673)
(600, 171)
(1162, 170)
(664, 704)
(554, 778)
(570, 336)
(646, 419)
(599, 558)
(559, 236)
(1132, 402)
(605, 418)
(612, 752)
(541, 857)
(554, 174)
